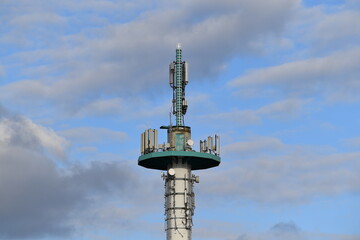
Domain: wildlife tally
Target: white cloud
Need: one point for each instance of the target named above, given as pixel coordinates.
(36, 18)
(48, 203)
(336, 30)
(215, 229)
(39, 199)
(280, 173)
(27, 89)
(240, 117)
(299, 235)
(47, 137)
(352, 142)
(253, 145)
(282, 109)
(21, 131)
(335, 76)
(323, 62)
(100, 69)
(103, 107)
(220, 229)
(92, 134)
(280, 231)
(124, 58)
(2, 72)
(304, 72)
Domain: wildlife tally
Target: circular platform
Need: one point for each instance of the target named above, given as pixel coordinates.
(161, 160)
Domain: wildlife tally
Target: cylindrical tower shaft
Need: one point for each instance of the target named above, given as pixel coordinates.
(179, 87)
(179, 195)
(179, 198)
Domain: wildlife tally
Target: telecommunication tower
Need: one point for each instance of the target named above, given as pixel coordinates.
(178, 158)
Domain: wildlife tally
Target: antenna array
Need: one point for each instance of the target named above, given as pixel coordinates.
(178, 158)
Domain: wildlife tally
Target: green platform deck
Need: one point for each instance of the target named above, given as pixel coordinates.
(161, 160)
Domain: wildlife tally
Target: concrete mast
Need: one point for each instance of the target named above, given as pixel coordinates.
(178, 158)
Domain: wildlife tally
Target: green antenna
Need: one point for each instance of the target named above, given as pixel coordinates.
(178, 70)
(179, 88)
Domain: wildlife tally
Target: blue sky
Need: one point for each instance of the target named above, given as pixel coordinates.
(277, 80)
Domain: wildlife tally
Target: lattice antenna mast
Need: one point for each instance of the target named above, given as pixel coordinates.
(178, 73)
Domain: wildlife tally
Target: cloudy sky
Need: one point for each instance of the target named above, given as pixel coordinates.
(278, 80)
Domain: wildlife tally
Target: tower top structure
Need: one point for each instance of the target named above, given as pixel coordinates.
(177, 157)
(178, 79)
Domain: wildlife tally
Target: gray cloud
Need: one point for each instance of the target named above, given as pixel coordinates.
(215, 229)
(280, 231)
(254, 146)
(284, 230)
(291, 231)
(104, 107)
(285, 227)
(325, 67)
(39, 198)
(239, 117)
(336, 31)
(16, 130)
(93, 135)
(35, 200)
(124, 58)
(284, 109)
(281, 173)
(2, 72)
(334, 76)
(352, 142)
